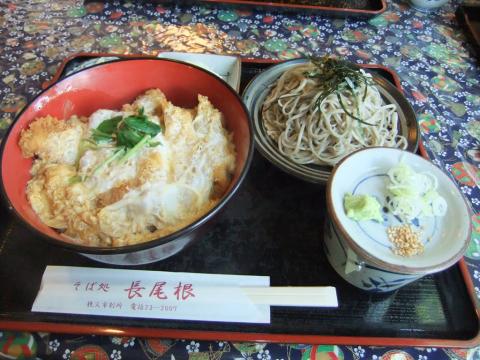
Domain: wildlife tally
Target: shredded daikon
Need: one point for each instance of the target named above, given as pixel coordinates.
(413, 195)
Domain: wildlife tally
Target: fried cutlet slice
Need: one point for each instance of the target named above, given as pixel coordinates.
(53, 140)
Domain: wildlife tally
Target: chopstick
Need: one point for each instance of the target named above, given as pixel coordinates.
(313, 296)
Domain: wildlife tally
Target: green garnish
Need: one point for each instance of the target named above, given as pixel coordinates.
(109, 126)
(136, 148)
(126, 135)
(154, 143)
(74, 179)
(125, 131)
(335, 76)
(117, 154)
(101, 137)
(141, 124)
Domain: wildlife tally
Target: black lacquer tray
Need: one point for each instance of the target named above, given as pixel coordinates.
(273, 226)
(468, 17)
(335, 8)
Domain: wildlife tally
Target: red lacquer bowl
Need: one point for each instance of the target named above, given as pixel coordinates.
(109, 86)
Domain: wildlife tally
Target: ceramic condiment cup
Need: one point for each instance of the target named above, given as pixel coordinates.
(361, 252)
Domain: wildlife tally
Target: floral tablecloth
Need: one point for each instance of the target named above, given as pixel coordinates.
(428, 50)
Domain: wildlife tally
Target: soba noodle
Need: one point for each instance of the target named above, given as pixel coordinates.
(312, 132)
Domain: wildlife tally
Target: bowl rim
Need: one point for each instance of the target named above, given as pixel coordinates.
(377, 262)
(104, 250)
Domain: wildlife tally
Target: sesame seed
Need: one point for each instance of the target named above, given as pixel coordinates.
(406, 241)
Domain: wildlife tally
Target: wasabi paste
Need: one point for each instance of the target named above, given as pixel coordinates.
(362, 207)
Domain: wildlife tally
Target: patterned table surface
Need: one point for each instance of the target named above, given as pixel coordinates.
(428, 50)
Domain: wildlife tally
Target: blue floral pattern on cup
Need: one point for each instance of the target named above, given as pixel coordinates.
(358, 271)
